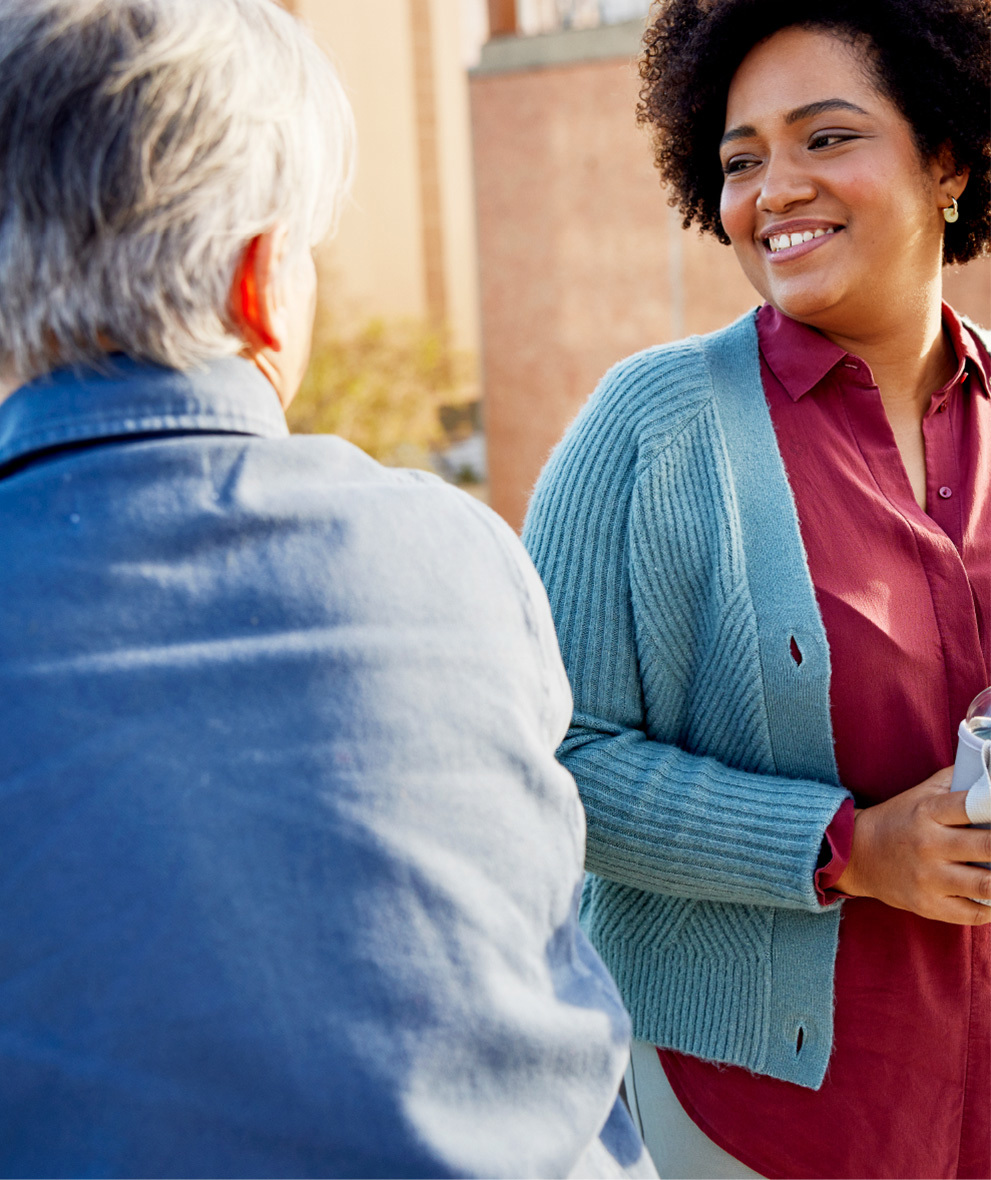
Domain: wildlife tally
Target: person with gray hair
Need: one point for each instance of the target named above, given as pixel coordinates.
(288, 871)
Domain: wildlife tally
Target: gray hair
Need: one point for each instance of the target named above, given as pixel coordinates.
(143, 144)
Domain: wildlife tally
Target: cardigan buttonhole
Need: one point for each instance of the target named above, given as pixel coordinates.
(796, 653)
(799, 1039)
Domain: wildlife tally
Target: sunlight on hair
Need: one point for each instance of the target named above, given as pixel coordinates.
(178, 130)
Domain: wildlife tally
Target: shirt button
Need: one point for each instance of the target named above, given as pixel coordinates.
(941, 408)
(945, 493)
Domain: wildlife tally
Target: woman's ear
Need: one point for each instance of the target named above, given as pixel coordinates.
(950, 178)
(256, 298)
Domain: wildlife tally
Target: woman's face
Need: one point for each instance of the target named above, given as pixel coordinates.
(812, 148)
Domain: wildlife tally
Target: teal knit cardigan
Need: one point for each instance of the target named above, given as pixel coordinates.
(666, 534)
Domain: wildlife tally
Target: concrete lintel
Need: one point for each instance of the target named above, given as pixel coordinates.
(506, 54)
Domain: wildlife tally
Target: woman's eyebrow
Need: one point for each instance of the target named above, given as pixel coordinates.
(809, 111)
(745, 131)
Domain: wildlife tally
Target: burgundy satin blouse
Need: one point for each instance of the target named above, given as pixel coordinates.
(905, 596)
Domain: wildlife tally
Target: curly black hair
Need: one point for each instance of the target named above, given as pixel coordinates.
(932, 58)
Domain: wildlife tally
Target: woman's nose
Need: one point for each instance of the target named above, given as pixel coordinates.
(784, 184)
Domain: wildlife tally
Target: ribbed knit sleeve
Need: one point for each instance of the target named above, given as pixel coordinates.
(635, 530)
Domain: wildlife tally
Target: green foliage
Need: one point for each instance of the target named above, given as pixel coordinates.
(382, 386)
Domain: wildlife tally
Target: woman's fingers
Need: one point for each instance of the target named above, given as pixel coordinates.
(960, 845)
(946, 806)
(970, 885)
(962, 911)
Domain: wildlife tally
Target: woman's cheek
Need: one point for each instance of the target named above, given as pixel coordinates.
(736, 215)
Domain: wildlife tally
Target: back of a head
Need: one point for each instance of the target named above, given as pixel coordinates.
(143, 143)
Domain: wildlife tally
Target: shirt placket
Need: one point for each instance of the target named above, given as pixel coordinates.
(937, 531)
(943, 476)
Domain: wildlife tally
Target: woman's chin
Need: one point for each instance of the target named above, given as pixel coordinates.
(814, 307)
(800, 297)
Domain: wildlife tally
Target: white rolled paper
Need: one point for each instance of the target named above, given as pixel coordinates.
(972, 773)
(978, 801)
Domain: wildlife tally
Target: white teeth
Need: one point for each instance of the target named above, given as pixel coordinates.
(785, 241)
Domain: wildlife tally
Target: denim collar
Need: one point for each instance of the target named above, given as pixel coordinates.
(69, 407)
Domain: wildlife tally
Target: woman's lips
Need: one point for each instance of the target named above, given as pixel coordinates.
(809, 240)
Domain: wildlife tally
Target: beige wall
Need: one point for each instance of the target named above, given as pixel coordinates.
(457, 181)
(581, 260)
(378, 264)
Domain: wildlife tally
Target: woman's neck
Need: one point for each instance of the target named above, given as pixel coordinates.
(910, 358)
(909, 354)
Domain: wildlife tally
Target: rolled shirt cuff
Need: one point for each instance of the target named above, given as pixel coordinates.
(837, 846)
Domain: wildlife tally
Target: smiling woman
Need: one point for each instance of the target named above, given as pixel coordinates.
(768, 552)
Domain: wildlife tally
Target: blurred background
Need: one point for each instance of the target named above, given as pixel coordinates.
(508, 239)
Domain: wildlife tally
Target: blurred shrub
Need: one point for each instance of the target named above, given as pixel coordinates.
(383, 386)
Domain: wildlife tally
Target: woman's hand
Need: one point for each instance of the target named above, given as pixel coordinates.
(911, 852)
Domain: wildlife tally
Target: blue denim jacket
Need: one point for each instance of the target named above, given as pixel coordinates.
(288, 871)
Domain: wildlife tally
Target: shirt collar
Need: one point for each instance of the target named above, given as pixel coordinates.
(969, 353)
(800, 357)
(228, 396)
(797, 355)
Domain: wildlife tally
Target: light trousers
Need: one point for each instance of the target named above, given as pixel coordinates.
(680, 1151)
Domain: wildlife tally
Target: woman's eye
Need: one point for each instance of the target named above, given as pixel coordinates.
(828, 139)
(738, 164)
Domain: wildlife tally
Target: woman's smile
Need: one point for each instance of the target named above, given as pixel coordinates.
(795, 239)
